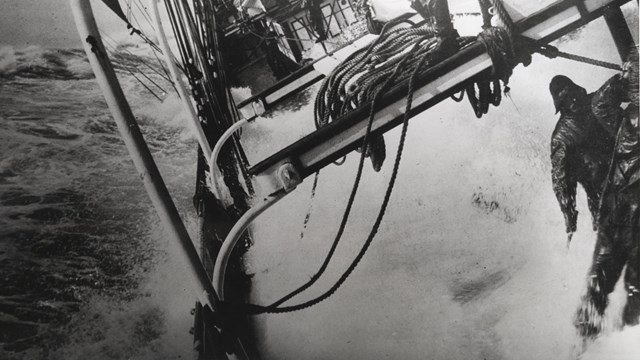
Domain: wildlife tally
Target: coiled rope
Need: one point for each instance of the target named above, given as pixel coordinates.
(398, 55)
(400, 67)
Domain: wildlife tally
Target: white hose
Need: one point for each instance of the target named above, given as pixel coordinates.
(220, 266)
(214, 172)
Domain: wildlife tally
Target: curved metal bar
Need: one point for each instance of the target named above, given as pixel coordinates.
(177, 80)
(220, 266)
(214, 172)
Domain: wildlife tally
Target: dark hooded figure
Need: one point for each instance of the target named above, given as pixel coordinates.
(580, 150)
(618, 238)
(316, 18)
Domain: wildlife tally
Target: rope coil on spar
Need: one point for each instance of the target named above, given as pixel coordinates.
(398, 55)
(257, 309)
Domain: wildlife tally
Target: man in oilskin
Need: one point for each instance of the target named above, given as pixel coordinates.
(580, 150)
(618, 238)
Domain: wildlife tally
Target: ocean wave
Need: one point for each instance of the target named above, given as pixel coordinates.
(35, 62)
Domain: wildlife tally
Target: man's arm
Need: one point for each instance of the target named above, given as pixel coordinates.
(563, 186)
(606, 101)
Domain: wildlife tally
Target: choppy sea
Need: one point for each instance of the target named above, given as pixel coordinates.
(78, 237)
(470, 262)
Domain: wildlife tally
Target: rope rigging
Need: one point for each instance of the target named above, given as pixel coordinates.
(552, 52)
(119, 59)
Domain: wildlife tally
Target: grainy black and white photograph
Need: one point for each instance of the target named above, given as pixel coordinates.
(319, 179)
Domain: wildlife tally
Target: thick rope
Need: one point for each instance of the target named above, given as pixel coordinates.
(552, 52)
(271, 309)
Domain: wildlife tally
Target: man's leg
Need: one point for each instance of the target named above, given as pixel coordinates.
(608, 261)
(593, 201)
(631, 312)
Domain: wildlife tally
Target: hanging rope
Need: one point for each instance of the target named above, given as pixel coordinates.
(307, 217)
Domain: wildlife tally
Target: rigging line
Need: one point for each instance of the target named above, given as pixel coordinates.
(164, 76)
(178, 28)
(553, 52)
(178, 36)
(128, 9)
(124, 66)
(145, 13)
(122, 62)
(183, 47)
(135, 19)
(190, 50)
(195, 46)
(124, 59)
(166, 73)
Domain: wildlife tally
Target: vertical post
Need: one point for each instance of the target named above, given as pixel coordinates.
(619, 30)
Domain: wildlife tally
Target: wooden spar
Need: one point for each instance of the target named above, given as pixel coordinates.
(330, 143)
(194, 121)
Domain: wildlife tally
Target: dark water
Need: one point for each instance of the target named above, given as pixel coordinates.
(78, 236)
